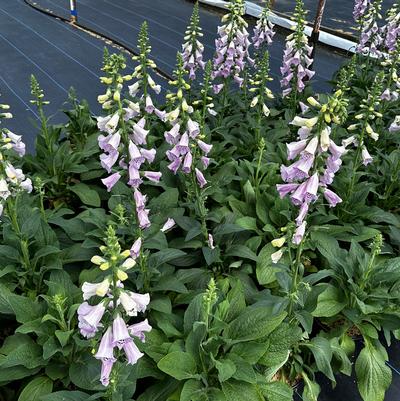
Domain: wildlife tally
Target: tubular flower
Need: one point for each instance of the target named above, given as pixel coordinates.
(297, 56)
(116, 303)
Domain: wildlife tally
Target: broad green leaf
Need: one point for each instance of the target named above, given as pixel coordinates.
(36, 388)
(191, 390)
(311, 389)
(66, 396)
(87, 195)
(330, 302)
(252, 324)
(277, 391)
(248, 223)
(226, 369)
(238, 391)
(178, 364)
(265, 268)
(321, 349)
(373, 375)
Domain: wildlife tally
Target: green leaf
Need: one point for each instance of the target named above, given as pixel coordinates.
(311, 389)
(226, 369)
(265, 269)
(277, 391)
(330, 302)
(164, 256)
(238, 391)
(20, 349)
(373, 375)
(87, 195)
(248, 223)
(179, 365)
(252, 324)
(190, 390)
(241, 251)
(321, 349)
(36, 388)
(66, 396)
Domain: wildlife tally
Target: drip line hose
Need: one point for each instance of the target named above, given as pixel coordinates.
(84, 28)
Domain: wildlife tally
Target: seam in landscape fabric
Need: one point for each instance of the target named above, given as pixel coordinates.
(115, 42)
(254, 10)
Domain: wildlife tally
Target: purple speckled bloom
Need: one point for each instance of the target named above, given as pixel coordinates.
(332, 198)
(131, 351)
(120, 332)
(138, 330)
(89, 318)
(200, 178)
(143, 217)
(110, 181)
(106, 348)
(232, 45)
(360, 7)
(299, 234)
(168, 224)
(135, 250)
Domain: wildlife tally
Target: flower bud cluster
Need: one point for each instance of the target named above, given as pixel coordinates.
(192, 49)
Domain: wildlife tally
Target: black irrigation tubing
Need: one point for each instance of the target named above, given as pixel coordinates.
(115, 42)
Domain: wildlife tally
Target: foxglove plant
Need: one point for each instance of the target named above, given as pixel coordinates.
(371, 38)
(296, 57)
(106, 318)
(318, 158)
(365, 127)
(126, 141)
(232, 46)
(263, 32)
(391, 31)
(205, 103)
(360, 9)
(192, 49)
(188, 152)
(12, 179)
(258, 88)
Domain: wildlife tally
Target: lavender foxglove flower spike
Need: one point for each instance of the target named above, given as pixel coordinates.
(264, 30)
(303, 177)
(232, 45)
(297, 56)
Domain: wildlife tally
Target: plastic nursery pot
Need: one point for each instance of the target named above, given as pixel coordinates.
(328, 325)
(280, 377)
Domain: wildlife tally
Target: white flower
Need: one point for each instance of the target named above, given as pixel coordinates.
(91, 289)
(168, 224)
(304, 122)
(134, 303)
(325, 140)
(277, 256)
(111, 125)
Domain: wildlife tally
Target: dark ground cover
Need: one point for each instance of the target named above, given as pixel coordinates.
(62, 56)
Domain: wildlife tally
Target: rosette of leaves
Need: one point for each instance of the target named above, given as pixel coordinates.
(362, 299)
(217, 351)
